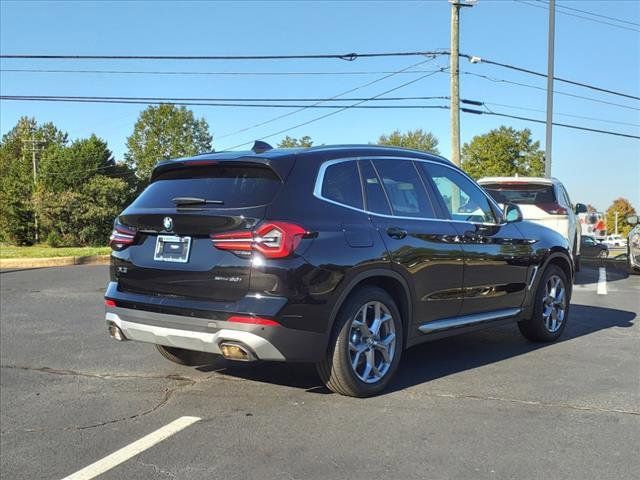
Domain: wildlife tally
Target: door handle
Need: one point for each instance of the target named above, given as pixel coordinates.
(396, 233)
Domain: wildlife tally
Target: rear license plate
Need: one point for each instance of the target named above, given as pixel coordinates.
(171, 248)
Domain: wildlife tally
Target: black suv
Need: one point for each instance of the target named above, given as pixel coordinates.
(339, 255)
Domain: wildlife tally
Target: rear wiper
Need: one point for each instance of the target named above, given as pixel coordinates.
(195, 201)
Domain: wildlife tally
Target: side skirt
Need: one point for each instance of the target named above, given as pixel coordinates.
(467, 323)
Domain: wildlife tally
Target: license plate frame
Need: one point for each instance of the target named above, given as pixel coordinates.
(183, 244)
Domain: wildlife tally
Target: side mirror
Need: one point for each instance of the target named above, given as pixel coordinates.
(512, 213)
(632, 220)
(581, 208)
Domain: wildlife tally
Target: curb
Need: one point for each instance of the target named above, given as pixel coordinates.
(53, 261)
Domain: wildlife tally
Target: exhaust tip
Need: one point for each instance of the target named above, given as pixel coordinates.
(115, 332)
(236, 351)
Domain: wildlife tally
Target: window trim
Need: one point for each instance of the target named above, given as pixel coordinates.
(317, 190)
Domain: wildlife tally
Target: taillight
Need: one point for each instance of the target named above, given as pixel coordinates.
(271, 239)
(552, 208)
(121, 237)
(109, 303)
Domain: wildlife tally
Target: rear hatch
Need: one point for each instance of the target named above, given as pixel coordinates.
(537, 201)
(172, 253)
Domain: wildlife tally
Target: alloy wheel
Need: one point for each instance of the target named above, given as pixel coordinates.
(554, 304)
(372, 342)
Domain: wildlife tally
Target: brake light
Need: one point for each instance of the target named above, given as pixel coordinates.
(109, 303)
(271, 239)
(121, 237)
(253, 320)
(552, 208)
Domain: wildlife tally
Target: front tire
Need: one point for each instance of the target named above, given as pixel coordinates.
(551, 308)
(366, 345)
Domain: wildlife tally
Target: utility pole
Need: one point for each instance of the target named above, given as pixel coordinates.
(616, 222)
(34, 148)
(454, 75)
(550, 57)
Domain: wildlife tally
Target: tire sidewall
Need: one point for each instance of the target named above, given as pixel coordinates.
(340, 344)
(537, 319)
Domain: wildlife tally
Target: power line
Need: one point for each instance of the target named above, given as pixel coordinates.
(203, 73)
(345, 92)
(544, 75)
(528, 85)
(346, 56)
(582, 117)
(582, 16)
(315, 119)
(596, 14)
(205, 104)
(535, 120)
(227, 99)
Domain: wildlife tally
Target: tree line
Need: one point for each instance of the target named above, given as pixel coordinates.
(79, 187)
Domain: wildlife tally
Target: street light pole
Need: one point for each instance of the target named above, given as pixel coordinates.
(550, 58)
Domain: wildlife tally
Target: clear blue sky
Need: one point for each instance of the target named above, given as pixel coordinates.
(595, 168)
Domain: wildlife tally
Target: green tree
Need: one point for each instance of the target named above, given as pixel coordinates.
(17, 222)
(415, 139)
(290, 142)
(82, 216)
(163, 132)
(503, 152)
(65, 167)
(624, 209)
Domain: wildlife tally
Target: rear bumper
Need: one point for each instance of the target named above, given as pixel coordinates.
(153, 320)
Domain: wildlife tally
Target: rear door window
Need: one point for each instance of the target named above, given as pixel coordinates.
(235, 186)
(341, 183)
(404, 188)
(375, 197)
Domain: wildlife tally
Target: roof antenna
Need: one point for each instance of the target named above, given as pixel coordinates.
(260, 147)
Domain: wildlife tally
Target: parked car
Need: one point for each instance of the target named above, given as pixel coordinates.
(614, 241)
(339, 255)
(590, 248)
(633, 245)
(544, 201)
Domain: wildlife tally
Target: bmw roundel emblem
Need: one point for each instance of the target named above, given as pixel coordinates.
(167, 223)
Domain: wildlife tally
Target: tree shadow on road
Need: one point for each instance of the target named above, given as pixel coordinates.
(438, 358)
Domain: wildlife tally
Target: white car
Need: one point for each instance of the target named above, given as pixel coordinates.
(614, 241)
(544, 201)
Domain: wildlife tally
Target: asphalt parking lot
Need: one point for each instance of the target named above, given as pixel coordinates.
(482, 405)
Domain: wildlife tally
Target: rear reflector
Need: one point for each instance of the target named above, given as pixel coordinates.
(109, 303)
(253, 321)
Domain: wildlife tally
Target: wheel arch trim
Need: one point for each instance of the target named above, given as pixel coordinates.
(361, 278)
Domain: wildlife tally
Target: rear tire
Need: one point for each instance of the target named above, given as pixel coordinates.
(366, 345)
(551, 307)
(182, 356)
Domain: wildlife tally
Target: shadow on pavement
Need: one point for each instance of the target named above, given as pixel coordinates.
(439, 358)
(616, 270)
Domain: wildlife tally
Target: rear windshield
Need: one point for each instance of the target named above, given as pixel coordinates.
(235, 186)
(521, 193)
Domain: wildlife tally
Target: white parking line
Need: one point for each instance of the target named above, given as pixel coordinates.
(133, 449)
(602, 282)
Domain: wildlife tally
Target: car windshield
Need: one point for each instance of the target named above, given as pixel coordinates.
(521, 193)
